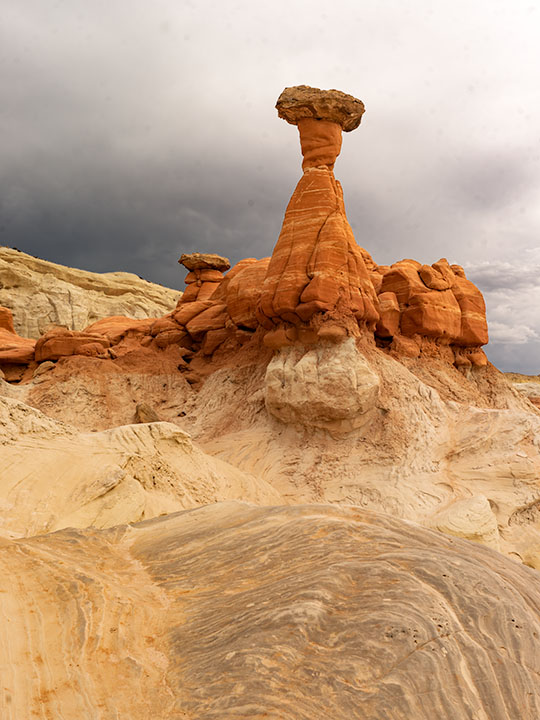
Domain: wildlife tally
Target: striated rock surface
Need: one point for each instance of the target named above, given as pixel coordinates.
(471, 518)
(14, 350)
(41, 293)
(52, 476)
(527, 385)
(326, 375)
(317, 276)
(426, 437)
(328, 387)
(235, 611)
(313, 376)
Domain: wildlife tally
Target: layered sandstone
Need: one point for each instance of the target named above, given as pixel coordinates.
(238, 611)
(16, 353)
(317, 281)
(318, 339)
(41, 293)
(318, 286)
(313, 376)
(52, 476)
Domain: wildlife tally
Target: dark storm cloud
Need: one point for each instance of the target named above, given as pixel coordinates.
(130, 133)
(511, 357)
(108, 219)
(492, 181)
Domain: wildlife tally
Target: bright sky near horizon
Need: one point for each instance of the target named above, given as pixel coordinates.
(131, 132)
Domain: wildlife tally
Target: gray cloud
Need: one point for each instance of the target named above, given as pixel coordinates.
(514, 334)
(512, 357)
(491, 181)
(501, 275)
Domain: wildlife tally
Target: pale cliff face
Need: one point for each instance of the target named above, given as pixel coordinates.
(41, 294)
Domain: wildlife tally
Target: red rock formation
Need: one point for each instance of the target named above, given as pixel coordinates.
(60, 342)
(425, 310)
(117, 327)
(474, 329)
(437, 302)
(243, 293)
(388, 324)
(318, 285)
(204, 276)
(14, 350)
(6, 320)
(317, 273)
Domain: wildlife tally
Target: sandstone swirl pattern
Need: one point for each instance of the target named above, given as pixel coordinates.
(295, 613)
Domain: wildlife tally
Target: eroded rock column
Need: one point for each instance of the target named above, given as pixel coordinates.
(317, 286)
(205, 273)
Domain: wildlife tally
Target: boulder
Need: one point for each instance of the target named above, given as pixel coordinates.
(59, 342)
(326, 386)
(14, 350)
(304, 102)
(204, 261)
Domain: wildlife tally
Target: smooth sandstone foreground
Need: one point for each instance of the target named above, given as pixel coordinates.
(52, 476)
(295, 613)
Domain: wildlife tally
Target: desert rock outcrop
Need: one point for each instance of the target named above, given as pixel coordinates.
(317, 384)
(14, 350)
(330, 387)
(52, 476)
(41, 293)
(318, 287)
(317, 277)
(378, 369)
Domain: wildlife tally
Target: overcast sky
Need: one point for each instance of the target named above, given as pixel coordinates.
(132, 131)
